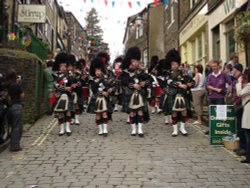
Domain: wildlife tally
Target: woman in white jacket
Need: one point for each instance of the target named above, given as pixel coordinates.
(243, 91)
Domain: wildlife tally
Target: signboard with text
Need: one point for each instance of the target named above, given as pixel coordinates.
(31, 13)
(222, 121)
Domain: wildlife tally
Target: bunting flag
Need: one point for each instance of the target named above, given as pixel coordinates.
(165, 2)
(122, 2)
(130, 4)
(139, 3)
(156, 2)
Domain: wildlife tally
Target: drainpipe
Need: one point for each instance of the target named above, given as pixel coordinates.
(178, 24)
(148, 35)
(13, 15)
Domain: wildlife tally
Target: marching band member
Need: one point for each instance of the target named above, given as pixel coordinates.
(63, 89)
(155, 90)
(117, 71)
(176, 101)
(134, 82)
(74, 77)
(99, 101)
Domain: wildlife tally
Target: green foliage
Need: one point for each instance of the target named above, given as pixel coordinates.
(94, 31)
(242, 29)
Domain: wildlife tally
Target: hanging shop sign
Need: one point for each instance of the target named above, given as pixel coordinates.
(31, 13)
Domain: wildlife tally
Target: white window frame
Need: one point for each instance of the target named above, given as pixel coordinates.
(145, 57)
(51, 3)
(172, 12)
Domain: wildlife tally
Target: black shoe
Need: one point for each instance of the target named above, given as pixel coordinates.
(240, 152)
(245, 161)
(141, 135)
(68, 133)
(206, 132)
(235, 150)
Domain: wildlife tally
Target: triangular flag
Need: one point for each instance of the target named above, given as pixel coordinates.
(130, 4)
(139, 3)
(156, 2)
(84, 1)
(92, 1)
(113, 3)
(106, 2)
(165, 2)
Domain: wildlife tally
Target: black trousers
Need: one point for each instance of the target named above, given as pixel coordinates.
(15, 118)
(247, 135)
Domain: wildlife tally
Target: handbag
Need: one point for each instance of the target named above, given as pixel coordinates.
(240, 108)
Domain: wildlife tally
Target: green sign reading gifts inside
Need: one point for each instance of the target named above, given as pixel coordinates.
(222, 121)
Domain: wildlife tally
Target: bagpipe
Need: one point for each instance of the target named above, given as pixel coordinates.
(101, 101)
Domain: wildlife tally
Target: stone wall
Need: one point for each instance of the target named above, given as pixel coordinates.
(171, 32)
(156, 31)
(30, 68)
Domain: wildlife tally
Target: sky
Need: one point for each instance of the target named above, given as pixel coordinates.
(112, 16)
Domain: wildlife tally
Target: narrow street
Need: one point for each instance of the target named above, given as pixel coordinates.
(88, 160)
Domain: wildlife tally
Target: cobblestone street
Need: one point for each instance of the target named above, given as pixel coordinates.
(88, 160)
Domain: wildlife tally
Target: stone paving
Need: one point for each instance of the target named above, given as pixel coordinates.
(88, 160)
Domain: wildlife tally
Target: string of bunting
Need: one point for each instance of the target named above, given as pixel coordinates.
(114, 2)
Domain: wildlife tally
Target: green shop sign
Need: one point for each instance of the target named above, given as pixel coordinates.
(222, 121)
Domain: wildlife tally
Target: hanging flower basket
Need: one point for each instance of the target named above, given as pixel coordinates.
(242, 30)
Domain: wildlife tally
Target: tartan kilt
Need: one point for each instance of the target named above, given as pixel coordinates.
(71, 107)
(125, 103)
(167, 107)
(166, 103)
(91, 105)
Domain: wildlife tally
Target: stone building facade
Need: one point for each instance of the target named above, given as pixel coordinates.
(193, 32)
(171, 26)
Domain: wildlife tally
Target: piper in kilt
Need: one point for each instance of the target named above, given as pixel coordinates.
(110, 80)
(134, 82)
(117, 71)
(155, 91)
(74, 77)
(176, 102)
(100, 91)
(63, 89)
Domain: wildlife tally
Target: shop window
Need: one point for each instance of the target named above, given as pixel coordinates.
(184, 52)
(172, 11)
(48, 30)
(216, 42)
(193, 51)
(139, 31)
(193, 3)
(51, 3)
(200, 47)
(230, 42)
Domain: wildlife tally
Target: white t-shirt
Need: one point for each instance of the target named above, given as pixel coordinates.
(201, 84)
